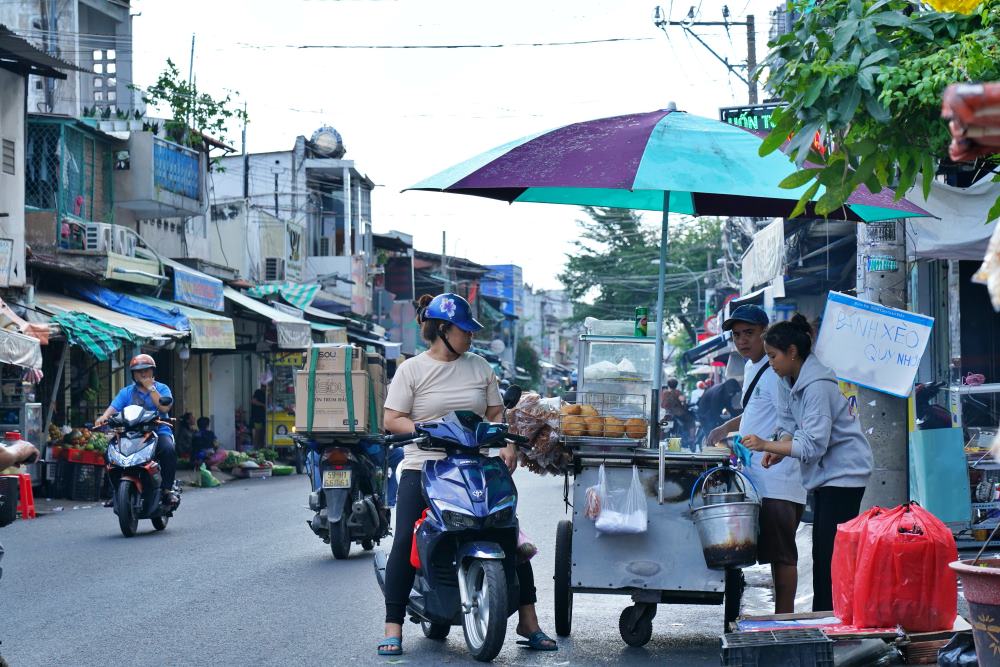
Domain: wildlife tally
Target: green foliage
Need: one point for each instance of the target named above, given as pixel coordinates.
(868, 75)
(615, 262)
(191, 109)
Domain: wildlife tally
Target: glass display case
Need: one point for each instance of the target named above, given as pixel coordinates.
(616, 364)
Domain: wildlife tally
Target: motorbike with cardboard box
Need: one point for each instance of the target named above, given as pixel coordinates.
(339, 396)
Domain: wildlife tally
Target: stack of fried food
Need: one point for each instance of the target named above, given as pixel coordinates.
(578, 420)
(537, 419)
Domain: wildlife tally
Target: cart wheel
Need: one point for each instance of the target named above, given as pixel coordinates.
(563, 570)
(636, 624)
(735, 584)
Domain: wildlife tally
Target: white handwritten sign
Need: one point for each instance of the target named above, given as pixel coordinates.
(872, 345)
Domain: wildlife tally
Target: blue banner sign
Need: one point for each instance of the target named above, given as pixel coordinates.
(197, 289)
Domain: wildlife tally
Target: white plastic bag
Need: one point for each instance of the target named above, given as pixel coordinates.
(620, 511)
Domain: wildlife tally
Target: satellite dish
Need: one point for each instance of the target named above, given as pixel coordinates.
(328, 143)
(497, 346)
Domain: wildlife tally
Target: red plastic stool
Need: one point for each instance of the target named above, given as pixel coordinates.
(26, 501)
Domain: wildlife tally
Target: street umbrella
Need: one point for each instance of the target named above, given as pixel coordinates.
(664, 160)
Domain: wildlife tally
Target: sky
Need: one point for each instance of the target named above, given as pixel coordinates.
(408, 113)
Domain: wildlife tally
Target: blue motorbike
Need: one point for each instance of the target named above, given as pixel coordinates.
(467, 540)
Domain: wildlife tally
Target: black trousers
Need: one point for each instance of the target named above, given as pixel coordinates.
(832, 505)
(399, 573)
(166, 456)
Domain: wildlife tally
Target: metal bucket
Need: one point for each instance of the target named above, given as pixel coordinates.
(722, 498)
(728, 533)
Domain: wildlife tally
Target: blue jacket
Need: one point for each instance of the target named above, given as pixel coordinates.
(134, 395)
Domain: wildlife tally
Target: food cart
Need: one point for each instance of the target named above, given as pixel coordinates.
(666, 563)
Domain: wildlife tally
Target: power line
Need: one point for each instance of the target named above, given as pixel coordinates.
(444, 46)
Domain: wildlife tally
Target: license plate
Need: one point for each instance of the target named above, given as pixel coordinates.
(336, 479)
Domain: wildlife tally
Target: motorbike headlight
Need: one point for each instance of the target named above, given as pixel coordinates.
(500, 517)
(459, 520)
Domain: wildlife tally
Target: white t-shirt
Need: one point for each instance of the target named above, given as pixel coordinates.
(784, 480)
(425, 389)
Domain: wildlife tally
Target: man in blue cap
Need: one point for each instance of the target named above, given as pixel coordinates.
(783, 497)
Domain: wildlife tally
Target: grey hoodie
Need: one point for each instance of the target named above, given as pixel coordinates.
(826, 439)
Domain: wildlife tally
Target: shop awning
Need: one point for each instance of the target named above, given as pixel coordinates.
(57, 304)
(160, 312)
(706, 347)
(326, 315)
(208, 330)
(293, 333)
(20, 350)
(331, 332)
(297, 294)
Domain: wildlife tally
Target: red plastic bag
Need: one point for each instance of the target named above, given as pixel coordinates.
(903, 576)
(844, 565)
(414, 554)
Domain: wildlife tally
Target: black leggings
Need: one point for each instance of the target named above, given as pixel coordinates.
(399, 573)
(832, 505)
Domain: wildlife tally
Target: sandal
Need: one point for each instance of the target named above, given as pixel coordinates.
(394, 644)
(537, 642)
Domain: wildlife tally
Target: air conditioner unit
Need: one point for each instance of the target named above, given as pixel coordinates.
(274, 269)
(124, 241)
(98, 236)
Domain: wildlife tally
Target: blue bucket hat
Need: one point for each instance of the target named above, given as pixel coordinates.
(451, 308)
(746, 313)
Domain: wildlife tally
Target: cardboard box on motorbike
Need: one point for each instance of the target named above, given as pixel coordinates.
(343, 386)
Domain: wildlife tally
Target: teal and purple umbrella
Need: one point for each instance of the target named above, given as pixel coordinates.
(665, 160)
(708, 167)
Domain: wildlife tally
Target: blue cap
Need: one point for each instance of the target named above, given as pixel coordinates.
(746, 313)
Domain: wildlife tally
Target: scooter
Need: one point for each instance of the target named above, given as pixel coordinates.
(134, 473)
(466, 542)
(348, 495)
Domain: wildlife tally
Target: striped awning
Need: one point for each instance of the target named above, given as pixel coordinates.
(99, 338)
(296, 294)
(56, 304)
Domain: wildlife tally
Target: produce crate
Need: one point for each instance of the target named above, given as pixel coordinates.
(63, 486)
(76, 455)
(784, 648)
(87, 482)
(9, 494)
(56, 452)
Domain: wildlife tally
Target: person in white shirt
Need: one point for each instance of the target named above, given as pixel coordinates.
(783, 497)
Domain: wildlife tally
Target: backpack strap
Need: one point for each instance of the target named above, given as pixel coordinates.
(753, 385)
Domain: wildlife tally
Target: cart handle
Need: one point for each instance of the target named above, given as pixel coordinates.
(703, 478)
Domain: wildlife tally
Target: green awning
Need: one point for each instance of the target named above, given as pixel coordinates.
(99, 338)
(296, 294)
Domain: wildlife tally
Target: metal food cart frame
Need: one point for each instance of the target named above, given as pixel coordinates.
(665, 564)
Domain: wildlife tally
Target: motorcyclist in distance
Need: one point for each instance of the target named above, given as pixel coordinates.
(146, 392)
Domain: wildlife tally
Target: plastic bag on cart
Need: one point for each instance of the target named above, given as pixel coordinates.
(903, 574)
(620, 511)
(845, 563)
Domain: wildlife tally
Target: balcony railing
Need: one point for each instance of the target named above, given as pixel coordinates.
(176, 169)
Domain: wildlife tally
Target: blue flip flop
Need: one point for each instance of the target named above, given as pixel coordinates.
(536, 642)
(395, 642)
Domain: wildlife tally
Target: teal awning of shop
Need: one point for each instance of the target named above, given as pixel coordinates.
(99, 338)
(296, 294)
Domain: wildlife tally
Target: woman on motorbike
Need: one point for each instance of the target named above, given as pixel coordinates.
(445, 378)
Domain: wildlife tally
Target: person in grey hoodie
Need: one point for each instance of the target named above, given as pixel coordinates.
(815, 426)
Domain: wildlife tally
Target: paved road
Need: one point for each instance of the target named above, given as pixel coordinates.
(238, 579)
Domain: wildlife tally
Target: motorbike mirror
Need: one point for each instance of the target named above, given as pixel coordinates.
(512, 396)
(166, 401)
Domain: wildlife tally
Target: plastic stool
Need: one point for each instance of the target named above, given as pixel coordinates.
(26, 501)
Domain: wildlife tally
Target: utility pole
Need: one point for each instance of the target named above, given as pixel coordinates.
(246, 159)
(661, 21)
(190, 82)
(881, 278)
(444, 261)
(277, 170)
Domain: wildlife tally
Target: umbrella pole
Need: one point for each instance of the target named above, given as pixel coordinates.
(658, 356)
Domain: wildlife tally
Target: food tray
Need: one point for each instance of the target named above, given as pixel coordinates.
(604, 420)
